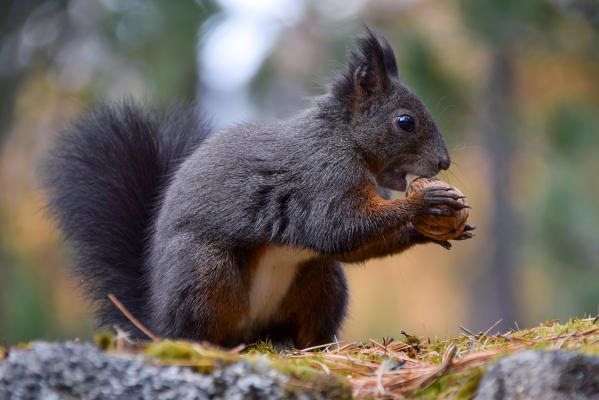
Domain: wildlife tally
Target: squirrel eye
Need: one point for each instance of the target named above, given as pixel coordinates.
(405, 122)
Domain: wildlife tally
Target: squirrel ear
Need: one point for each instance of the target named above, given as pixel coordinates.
(370, 70)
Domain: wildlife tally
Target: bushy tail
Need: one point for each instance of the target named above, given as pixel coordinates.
(103, 180)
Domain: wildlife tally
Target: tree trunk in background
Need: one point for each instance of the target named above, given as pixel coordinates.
(495, 291)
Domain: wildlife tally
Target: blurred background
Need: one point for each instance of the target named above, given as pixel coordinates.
(514, 86)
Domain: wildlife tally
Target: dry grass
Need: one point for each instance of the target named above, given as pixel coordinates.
(392, 369)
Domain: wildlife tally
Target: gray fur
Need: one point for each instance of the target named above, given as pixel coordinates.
(284, 183)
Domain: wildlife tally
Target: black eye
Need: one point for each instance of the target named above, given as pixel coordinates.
(405, 122)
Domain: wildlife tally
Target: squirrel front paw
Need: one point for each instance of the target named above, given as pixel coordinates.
(440, 210)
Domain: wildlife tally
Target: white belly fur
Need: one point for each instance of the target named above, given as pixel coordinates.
(276, 268)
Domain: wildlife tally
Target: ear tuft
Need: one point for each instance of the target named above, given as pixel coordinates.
(374, 47)
(370, 70)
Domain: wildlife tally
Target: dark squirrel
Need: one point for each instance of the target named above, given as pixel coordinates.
(238, 235)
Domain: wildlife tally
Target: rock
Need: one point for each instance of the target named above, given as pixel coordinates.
(69, 370)
(547, 375)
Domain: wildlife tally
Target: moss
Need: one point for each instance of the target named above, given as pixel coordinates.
(327, 386)
(310, 375)
(105, 341)
(171, 350)
(460, 386)
(470, 385)
(191, 354)
(302, 369)
(262, 346)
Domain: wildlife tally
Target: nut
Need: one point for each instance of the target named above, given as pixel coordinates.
(439, 227)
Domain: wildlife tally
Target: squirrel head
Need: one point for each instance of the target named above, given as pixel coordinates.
(386, 122)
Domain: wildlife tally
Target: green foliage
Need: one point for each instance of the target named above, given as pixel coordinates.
(572, 129)
(505, 21)
(23, 310)
(159, 38)
(567, 219)
(441, 90)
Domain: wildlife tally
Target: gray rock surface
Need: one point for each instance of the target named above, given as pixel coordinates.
(81, 371)
(547, 375)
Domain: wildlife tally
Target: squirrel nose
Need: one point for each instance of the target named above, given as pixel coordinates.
(444, 163)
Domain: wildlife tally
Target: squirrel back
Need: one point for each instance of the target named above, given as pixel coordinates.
(104, 179)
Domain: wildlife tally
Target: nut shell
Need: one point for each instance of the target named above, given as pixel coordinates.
(439, 227)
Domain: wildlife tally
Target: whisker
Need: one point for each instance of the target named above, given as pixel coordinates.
(464, 147)
(441, 99)
(451, 177)
(448, 107)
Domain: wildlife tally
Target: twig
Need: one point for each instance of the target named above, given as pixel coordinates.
(492, 326)
(236, 349)
(337, 341)
(323, 366)
(320, 346)
(379, 379)
(560, 342)
(131, 318)
(469, 332)
(446, 364)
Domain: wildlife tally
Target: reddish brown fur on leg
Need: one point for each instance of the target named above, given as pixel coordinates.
(316, 303)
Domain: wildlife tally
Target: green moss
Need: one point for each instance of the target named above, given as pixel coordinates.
(327, 386)
(301, 368)
(171, 350)
(188, 353)
(468, 389)
(460, 386)
(105, 340)
(262, 346)
(310, 375)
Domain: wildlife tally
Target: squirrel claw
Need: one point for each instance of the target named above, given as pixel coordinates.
(439, 197)
(443, 194)
(438, 188)
(448, 202)
(441, 211)
(444, 243)
(465, 235)
(469, 227)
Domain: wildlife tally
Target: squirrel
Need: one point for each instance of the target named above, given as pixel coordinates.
(239, 235)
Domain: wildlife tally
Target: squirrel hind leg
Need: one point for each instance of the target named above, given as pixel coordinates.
(207, 304)
(315, 305)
